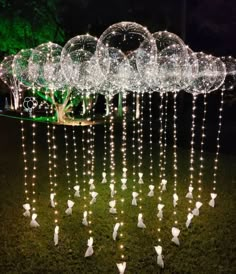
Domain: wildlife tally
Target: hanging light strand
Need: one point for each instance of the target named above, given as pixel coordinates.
(150, 139)
(34, 159)
(216, 160)
(165, 136)
(161, 108)
(134, 138)
(192, 147)
(175, 160)
(203, 136)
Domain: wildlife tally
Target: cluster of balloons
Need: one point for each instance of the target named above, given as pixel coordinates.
(126, 57)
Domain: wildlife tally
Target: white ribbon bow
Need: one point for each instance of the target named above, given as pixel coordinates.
(175, 199)
(175, 232)
(163, 184)
(91, 183)
(70, 204)
(52, 195)
(151, 192)
(27, 210)
(140, 175)
(33, 222)
(123, 181)
(160, 212)
(94, 195)
(140, 221)
(115, 231)
(160, 261)
(112, 188)
(112, 205)
(104, 175)
(212, 201)
(189, 219)
(189, 195)
(77, 191)
(124, 169)
(89, 251)
(85, 221)
(121, 267)
(134, 200)
(196, 209)
(56, 232)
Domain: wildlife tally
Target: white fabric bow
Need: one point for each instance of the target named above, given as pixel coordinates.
(189, 219)
(140, 221)
(212, 201)
(140, 175)
(94, 195)
(91, 183)
(33, 222)
(115, 231)
(85, 221)
(160, 212)
(77, 191)
(124, 169)
(189, 195)
(121, 267)
(104, 179)
(160, 261)
(70, 204)
(196, 209)
(112, 188)
(56, 237)
(112, 205)
(89, 251)
(27, 210)
(134, 200)
(52, 195)
(175, 232)
(163, 184)
(123, 181)
(151, 192)
(175, 199)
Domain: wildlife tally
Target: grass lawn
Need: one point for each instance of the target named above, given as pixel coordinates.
(208, 246)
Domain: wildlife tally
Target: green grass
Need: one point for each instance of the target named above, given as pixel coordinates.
(208, 246)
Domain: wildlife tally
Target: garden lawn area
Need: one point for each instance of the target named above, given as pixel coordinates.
(208, 246)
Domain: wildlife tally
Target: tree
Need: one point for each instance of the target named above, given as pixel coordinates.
(26, 24)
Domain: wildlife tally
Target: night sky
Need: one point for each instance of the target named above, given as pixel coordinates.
(208, 25)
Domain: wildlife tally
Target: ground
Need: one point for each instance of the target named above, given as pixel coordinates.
(208, 246)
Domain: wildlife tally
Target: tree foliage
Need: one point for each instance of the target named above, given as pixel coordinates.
(27, 23)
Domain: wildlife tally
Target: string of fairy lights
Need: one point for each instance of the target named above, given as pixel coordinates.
(203, 136)
(216, 159)
(165, 117)
(161, 138)
(192, 150)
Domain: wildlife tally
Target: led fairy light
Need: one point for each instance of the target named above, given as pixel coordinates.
(175, 231)
(70, 203)
(93, 141)
(34, 158)
(201, 159)
(140, 146)
(67, 161)
(161, 137)
(104, 163)
(124, 136)
(54, 162)
(26, 205)
(134, 138)
(150, 139)
(192, 151)
(165, 136)
(75, 151)
(216, 159)
(112, 144)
